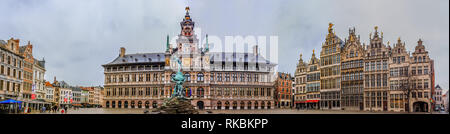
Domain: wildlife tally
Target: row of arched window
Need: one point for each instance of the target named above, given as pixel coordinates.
(132, 104)
(242, 105)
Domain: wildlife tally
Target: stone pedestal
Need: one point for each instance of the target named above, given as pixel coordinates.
(176, 105)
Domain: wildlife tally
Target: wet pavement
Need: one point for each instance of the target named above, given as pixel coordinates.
(272, 111)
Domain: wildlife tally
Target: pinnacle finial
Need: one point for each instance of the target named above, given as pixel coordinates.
(330, 27)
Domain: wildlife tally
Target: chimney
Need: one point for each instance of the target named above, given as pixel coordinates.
(122, 52)
(54, 79)
(255, 50)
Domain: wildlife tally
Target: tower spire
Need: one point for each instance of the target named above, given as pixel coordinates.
(167, 43)
(207, 45)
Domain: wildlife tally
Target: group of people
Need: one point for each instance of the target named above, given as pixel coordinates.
(54, 109)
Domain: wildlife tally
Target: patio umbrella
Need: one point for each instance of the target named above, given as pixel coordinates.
(9, 101)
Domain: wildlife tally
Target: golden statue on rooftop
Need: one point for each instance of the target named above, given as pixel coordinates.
(330, 27)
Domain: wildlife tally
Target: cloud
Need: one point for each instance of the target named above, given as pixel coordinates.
(77, 36)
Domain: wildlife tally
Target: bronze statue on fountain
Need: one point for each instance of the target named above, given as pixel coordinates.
(177, 103)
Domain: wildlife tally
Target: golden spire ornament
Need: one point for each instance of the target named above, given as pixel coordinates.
(330, 27)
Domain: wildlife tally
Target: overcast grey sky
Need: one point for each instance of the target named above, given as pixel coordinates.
(77, 36)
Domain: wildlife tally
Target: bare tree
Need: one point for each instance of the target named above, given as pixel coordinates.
(408, 86)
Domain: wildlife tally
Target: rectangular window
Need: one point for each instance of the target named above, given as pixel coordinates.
(372, 66)
(419, 70)
(366, 68)
(425, 70)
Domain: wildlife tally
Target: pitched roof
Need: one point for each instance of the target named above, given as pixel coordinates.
(47, 83)
(238, 57)
(138, 58)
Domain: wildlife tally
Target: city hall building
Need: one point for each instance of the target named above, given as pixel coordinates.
(214, 80)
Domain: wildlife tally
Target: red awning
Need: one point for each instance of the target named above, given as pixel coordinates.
(312, 101)
(300, 102)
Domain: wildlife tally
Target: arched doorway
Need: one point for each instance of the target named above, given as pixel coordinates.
(140, 104)
(113, 104)
(234, 105)
(155, 104)
(107, 104)
(200, 105)
(227, 105)
(147, 104)
(256, 105)
(249, 105)
(420, 106)
(125, 104)
(219, 105)
(242, 105)
(268, 105)
(132, 104)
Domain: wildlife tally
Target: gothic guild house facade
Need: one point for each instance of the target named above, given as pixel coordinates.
(376, 73)
(300, 84)
(375, 77)
(214, 80)
(330, 75)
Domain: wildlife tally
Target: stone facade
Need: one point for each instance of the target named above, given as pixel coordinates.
(213, 80)
(38, 78)
(375, 77)
(300, 84)
(352, 68)
(376, 73)
(330, 76)
(313, 83)
(437, 97)
(421, 80)
(11, 75)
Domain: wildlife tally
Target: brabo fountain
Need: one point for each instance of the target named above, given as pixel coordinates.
(177, 103)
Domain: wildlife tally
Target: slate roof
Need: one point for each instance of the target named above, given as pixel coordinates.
(214, 57)
(238, 57)
(139, 58)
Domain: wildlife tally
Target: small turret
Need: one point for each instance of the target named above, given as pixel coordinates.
(122, 52)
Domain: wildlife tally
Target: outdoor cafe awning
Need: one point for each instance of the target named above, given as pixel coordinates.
(9, 101)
